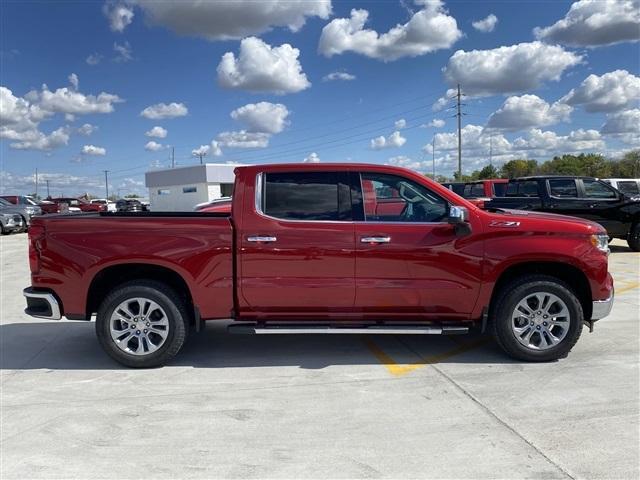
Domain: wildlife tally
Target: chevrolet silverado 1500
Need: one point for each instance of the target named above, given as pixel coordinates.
(323, 248)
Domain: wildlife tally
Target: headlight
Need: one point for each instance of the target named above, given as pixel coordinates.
(601, 242)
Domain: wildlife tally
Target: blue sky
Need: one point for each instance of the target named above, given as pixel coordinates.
(163, 57)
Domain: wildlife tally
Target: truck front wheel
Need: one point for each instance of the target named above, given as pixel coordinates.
(142, 324)
(634, 237)
(537, 318)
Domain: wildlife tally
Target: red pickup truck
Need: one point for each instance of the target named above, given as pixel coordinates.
(323, 248)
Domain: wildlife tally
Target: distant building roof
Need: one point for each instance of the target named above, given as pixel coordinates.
(207, 173)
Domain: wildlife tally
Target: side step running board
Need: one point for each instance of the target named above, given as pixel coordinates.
(322, 329)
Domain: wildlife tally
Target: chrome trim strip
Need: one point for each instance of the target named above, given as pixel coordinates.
(348, 330)
(50, 299)
(258, 206)
(602, 308)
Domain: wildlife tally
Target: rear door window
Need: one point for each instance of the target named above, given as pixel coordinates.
(563, 188)
(524, 188)
(311, 196)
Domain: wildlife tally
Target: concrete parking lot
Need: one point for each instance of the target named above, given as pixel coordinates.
(235, 406)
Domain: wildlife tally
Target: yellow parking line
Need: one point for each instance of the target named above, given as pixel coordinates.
(627, 288)
(397, 369)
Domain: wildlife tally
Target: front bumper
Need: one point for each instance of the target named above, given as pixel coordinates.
(602, 308)
(41, 304)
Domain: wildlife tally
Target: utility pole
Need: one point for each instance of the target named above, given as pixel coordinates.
(106, 183)
(173, 157)
(459, 115)
(47, 188)
(36, 184)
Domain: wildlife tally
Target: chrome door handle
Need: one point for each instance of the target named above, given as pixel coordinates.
(375, 239)
(261, 239)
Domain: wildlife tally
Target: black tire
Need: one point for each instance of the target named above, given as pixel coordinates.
(506, 303)
(167, 299)
(3, 231)
(633, 240)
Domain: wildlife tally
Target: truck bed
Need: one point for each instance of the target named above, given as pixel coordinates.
(197, 246)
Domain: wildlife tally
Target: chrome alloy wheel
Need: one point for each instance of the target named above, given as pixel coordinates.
(139, 326)
(540, 320)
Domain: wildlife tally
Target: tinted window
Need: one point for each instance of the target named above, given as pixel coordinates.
(303, 196)
(390, 198)
(563, 188)
(629, 187)
(477, 190)
(525, 188)
(596, 189)
(499, 189)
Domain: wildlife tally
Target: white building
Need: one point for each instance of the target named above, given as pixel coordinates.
(180, 189)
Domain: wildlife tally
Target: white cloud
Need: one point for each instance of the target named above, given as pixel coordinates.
(232, 20)
(123, 52)
(86, 129)
(624, 125)
(20, 117)
(119, 15)
(260, 67)
(64, 100)
(201, 150)
(428, 30)
(395, 140)
(215, 151)
(93, 150)
(163, 110)
(509, 69)
(607, 93)
(592, 23)
(549, 143)
(407, 162)
(94, 59)
(487, 24)
(526, 111)
(243, 139)
(338, 76)
(262, 117)
(73, 80)
(312, 158)
(435, 123)
(153, 146)
(156, 132)
(400, 124)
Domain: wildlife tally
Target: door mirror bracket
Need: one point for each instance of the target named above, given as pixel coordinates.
(459, 218)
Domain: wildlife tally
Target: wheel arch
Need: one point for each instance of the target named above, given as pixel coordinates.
(112, 276)
(569, 274)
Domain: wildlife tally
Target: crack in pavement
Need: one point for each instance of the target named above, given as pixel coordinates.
(490, 412)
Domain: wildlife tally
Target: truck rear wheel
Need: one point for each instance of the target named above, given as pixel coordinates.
(537, 318)
(142, 324)
(634, 237)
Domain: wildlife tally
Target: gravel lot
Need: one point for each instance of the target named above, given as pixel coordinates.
(316, 406)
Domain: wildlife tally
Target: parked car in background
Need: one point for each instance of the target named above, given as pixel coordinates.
(583, 197)
(26, 210)
(629, 186)
(220, 205)
(129, 205)
(479, 191)
(73, 205)
(317, 248)
(111, 206)
(11, 222)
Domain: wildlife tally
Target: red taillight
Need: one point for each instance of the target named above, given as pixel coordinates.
(36, 234)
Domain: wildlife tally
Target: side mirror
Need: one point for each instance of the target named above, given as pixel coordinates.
(458, 215)
(459, 218)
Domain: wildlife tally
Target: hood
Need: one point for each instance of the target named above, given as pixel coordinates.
(540, 221)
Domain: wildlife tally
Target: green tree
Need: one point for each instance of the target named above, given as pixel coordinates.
(132, 195)
(519, 168)
(585, 164)
(628, 166)
(488, 172)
